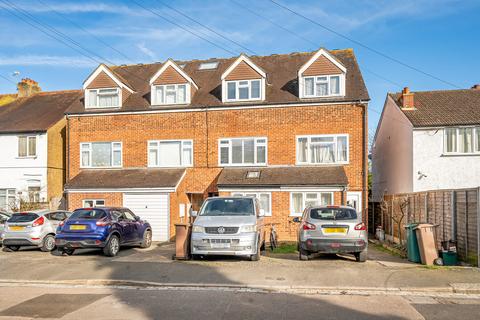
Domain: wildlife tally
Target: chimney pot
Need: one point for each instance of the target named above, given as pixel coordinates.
(476, 86)
(26, 87)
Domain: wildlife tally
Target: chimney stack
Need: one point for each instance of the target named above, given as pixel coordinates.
(27, 87)
(407, 99)
(476, 87)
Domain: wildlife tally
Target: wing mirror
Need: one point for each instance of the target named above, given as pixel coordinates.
(137, 218)
(297, 219)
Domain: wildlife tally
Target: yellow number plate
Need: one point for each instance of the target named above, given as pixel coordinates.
(14, 228)
(79, 227)
(335, 230)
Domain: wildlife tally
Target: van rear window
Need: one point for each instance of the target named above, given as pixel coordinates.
(333, 214)
(23, 217)
(94, 214)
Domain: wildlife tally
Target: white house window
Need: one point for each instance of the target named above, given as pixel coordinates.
(243, 151)
(462, 140)
(170, 153)
(322, 86)
(101, 154)
(244, 90)
(92, 203)
(300, 200)
(265, 199)
(322, 149)
(170, 94)
(7, 199)
(27, 146)
(102, 98)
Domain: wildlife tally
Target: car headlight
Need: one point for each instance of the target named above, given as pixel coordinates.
(198, 229)
(252, 228)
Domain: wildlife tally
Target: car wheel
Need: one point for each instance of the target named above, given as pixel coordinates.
(48, 243)
(147, 239)
(12, 248)
(361, 256)
(112, 247)
(256, 256)
(303, 255)
(68, 251)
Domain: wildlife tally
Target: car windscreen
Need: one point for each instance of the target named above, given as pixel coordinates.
(23, 217)
(228, 207)
(333, 214)
(94, 214)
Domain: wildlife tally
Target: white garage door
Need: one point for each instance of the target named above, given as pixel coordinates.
(153, 207)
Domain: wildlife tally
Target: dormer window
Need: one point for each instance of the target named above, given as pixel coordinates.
(321, 86)
(170, 94)
(244, 90)
(103, 98)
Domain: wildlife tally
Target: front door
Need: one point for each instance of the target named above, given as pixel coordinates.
(354, 200)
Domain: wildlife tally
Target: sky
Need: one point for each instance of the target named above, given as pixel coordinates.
(395, 42)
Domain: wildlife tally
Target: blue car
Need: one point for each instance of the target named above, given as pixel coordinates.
(104, 228)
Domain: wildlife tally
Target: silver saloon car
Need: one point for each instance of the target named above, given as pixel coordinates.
(332, 229)
(33, 229)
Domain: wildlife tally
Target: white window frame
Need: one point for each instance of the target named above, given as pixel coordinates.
(95, 205)
(475, 129)
(89, 150)
(304, 196)
(257, 194)
(10, 193)
(153, 94)
(29, 155)
(309, 139)
(237, 90)
(182, 146)
(97, 104)
(341, 85)
(230, 151)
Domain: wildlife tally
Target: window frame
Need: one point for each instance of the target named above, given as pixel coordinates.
(182, 147)
(90, 154)
(153, 94)
(304, 196)
(28, 154)
(97, 104)
(94, 203)
(475, 143)
(309, 138)
(237, 90)
(230, 152)
(341, 86)
(257, 194)
(10, 193)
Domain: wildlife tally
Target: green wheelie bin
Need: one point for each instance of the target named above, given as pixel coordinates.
(413, 252)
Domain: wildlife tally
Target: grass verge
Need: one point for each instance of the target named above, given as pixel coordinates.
(286, 248)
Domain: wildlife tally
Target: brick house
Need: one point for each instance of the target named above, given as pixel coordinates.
(160, 138)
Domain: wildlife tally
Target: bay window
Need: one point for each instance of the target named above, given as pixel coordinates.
(244, 90)
(243, 151)
(464, 140)
(322, 149)
(322, 86)
(100, 154)
(170, 153)
(170, 94)
(265, 199)
(103, 98)
(301, 200)
(27, 146)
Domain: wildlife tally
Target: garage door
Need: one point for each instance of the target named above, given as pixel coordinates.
(153, 207)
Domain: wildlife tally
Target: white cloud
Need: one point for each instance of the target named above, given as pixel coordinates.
(146, 51)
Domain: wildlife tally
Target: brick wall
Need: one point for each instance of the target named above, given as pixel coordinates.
(111, 199)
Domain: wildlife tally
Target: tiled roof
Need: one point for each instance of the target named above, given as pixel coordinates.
(443, 108)
(37, 112)
(282, 84)
(126, 178)
(284, 176)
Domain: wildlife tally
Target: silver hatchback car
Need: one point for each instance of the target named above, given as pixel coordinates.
(33, 228)
(332, 229)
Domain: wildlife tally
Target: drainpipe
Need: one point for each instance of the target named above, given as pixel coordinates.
(67, 160)
(364, 162)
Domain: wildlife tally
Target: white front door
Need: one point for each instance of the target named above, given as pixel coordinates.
(354, 200)
(153, 207)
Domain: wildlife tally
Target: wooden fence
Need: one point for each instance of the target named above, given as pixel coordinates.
(456, 213)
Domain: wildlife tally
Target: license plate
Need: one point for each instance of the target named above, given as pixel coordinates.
(335, 245)
(79, 227)
(335, 230)
(220, 245)
(16, 228)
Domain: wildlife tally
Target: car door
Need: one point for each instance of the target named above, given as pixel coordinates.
(127, 227)
(121, 224)
(136, 225)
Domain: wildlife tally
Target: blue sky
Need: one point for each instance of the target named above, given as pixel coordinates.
(437, 36)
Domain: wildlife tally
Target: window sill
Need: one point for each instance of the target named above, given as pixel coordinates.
(183, 104)
(88, 168)
(102, 108)
(243, 100)
(30, 157)
(302, 164)
(295, 215)
(473, 154)
(248, 165)
(169, 167)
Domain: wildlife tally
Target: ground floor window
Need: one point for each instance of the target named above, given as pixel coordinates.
(265, 199)
(91, 203)
(300, 200)
(34, 194)
(7, 199)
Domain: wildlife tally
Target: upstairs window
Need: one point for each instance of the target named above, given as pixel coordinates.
(170, 94)
(324, 149)
(462, 140)
(243, 151)
(322, 86)
(102, 98)
(27, 146)
(100, 154)
(170, 153)
(244, 90)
